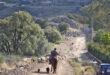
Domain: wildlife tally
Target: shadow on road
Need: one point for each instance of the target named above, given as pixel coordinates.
(40, 72)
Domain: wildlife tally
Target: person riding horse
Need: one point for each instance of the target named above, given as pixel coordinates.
(54, 54)
(53, 60)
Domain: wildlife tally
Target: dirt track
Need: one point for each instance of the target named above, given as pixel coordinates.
(67, 50)
(64, 68)
(71, 47)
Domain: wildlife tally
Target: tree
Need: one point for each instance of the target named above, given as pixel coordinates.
(52, 34)
(99, 11)
(43, 47)
(19, 34)
(98, 35)
(64, 27)
(42, 22)
(105, 38)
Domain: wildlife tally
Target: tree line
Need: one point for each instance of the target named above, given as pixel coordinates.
(99, 11)
(97, 14)
(100, 47)
(20, 34)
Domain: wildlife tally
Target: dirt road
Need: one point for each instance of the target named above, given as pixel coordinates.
(72, 47)
(64, 68)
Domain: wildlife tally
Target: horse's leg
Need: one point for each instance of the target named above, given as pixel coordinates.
(56, 66)
(51, 68)
(55, 69)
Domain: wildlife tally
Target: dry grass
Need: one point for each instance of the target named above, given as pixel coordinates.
(80, 69)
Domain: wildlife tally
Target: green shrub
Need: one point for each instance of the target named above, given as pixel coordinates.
(52, 34)
(42, 22)
(2, 59)
(89, 69)
(100, 51)
(76, 66)
(64, 27)
(98, 35)
(17, 57)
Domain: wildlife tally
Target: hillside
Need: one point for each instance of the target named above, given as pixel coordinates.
(44, 8)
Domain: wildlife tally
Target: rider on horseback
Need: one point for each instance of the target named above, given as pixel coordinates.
(54, 53)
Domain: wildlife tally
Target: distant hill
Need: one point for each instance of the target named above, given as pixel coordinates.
(44, 8)
(49, 1)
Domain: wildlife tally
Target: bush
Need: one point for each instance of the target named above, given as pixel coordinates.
(99, 51)
(1, 58)
(43, 47)
(80, 69)
(89, 69)
(64, 27)
(105, 38)
(52, 34)
(98, 35)
(17, 57)
(42, 22)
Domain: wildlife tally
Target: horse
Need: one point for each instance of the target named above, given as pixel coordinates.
(53, 63)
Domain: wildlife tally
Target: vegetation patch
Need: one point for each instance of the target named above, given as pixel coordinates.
(20, 35)
(89, 69)
(52, 34)
(100, 47)
(81, 67)
(2, 58)
(17, 58)
(64, 27)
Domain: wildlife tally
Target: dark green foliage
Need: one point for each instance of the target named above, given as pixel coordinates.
(100, 47)
(105, 39)
(98, 35)
(64, 27)
(52, 34)
(19, 34)
(43, 47)
(102, 37)
(99, 11)
(42, 22)
(1, 58)
(100, 51)
(17, 57)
